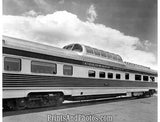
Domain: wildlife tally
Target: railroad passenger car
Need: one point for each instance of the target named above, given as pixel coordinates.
(37, 74)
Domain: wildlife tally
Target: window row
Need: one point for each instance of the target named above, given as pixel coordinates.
(92, 73)
(104, 54)
(14, 64)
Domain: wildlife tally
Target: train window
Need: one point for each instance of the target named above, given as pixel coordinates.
(102, 74)
(96, 52)
(137, 77)
(67, 70)
(119, 58)
(91, 73)
(77, 48)
(109, 56)
(145, 78)
(103, 54)
(152, 79)
(43, 67)
(110, 75)
(89, 50)
(64, 47)
(118, 76)
(127, 76)
(12, 64)
(114, 57)
(69, 47)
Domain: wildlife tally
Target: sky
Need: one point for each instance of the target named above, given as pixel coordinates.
(124, 27)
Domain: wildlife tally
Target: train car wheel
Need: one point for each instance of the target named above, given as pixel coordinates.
(20, 103)
(59, 99)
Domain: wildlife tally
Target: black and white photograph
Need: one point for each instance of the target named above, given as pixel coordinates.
(79, 60)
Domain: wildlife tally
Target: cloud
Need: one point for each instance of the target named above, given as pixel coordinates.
(147, 44)
(62, 27)
(91, 14)
(30, 13)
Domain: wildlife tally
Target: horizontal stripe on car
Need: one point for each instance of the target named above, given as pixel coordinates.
(21, 80)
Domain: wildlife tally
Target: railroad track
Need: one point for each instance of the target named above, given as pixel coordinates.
(66, 105)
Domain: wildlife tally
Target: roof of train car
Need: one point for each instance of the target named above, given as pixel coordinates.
(38, 47)
(59, 52)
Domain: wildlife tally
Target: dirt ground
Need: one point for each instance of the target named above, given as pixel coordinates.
(137, 110)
